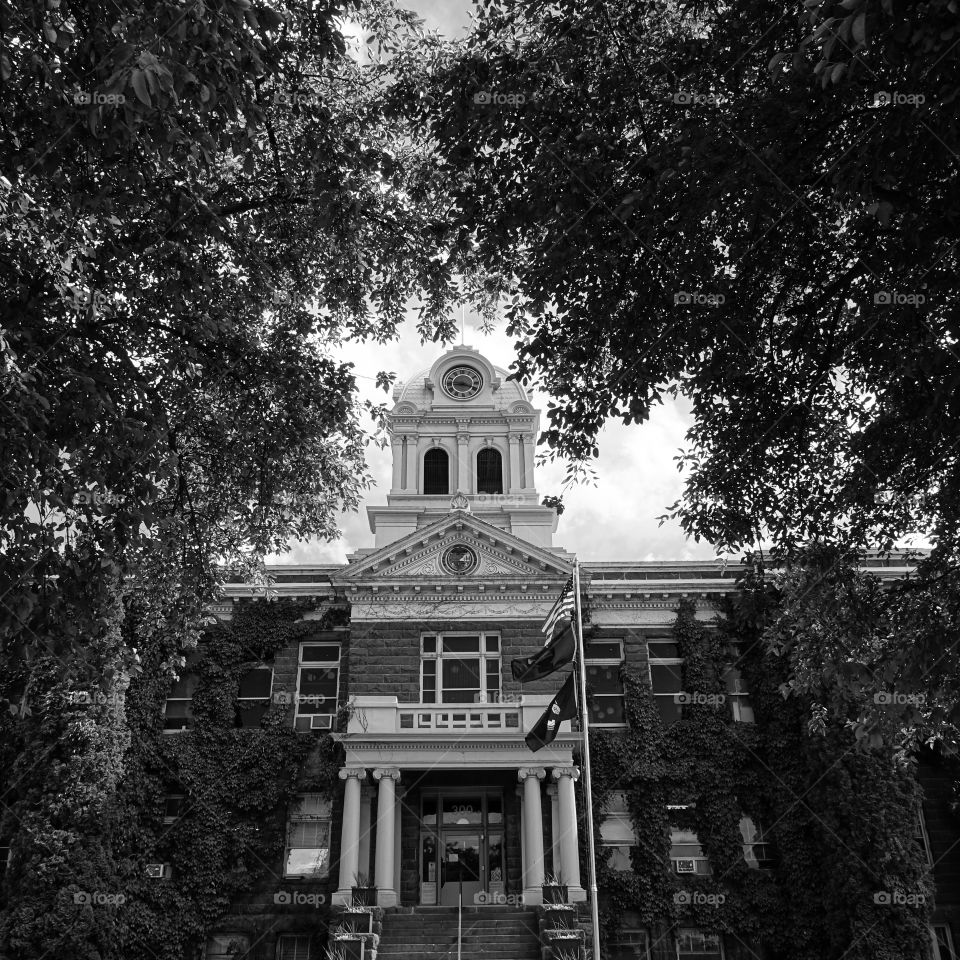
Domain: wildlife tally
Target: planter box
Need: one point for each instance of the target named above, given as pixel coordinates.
(554, 893)
(358, 920)
(352, 948)
(364, 896)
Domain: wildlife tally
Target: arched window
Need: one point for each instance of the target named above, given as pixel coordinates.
(436, 471)
(489, 471)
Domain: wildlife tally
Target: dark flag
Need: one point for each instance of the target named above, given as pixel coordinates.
(551, 657)
(562, 707)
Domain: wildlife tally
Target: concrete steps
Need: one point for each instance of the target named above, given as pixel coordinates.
(488, 933)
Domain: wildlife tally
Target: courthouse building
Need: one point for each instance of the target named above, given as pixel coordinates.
(438, 791)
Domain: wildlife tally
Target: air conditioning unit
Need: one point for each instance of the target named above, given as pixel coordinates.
(159, 871)
(685, 866)
(321, 721)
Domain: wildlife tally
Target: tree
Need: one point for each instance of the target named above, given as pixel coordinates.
(754, 205)
(197, 202)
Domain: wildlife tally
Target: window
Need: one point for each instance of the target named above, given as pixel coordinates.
(460, 668)
(686, 854)
(921, 835)
(308, 837)
(757, 848)
(318, 683)
(436, 471)
(737, 690)
(666, 678)
(227, 946)
(294, 946)
(603, 661)
(693, 943)
(629, 945)
(6, 855)
(178, 710)
(942, 942)
(253, 696)
(489, 471)
(617, 834)
(174, 805)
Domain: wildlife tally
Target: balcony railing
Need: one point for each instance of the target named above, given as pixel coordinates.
(379, 715)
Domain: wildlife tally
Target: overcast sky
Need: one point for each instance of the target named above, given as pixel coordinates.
(637, 478)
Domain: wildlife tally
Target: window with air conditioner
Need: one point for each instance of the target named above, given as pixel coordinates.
(308, 837)
(460, 668)
(686, 853)
(174, 805)
(295, 946)
(603, 660)
(253, 696)
(694, 944)
(617, 833)
(666, 678)
(228, 946)
(318, 685)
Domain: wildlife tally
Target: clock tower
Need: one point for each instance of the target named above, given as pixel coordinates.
(463, 437)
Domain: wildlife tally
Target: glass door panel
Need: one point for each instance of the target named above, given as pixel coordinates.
(461, 864)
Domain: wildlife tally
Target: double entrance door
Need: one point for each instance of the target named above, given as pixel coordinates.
(461, 845)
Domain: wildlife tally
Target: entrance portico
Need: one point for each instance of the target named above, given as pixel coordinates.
(460, 760)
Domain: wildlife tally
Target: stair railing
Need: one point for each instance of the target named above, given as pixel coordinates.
(460, 919)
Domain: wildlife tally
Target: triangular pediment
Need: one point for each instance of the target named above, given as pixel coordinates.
(436, 551)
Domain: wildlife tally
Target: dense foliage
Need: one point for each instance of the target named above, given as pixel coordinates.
(842, 819)
(85, 799)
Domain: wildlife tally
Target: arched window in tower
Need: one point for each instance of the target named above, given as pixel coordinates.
(489, 471)
(436, 471)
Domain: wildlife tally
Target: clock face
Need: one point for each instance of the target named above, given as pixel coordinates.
(459, 559)
(462, 383)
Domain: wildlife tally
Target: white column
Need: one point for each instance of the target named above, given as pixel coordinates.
(396, 451)
(554, 825)
(530, 777)
(363, 860)
(516, 481)
(463, 465)
(568, 840)
(523, 842)
(528, 458)
(386, 822)
(350, 833)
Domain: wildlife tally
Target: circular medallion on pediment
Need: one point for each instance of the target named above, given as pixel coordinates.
(459, 560)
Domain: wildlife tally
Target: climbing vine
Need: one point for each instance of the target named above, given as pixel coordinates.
(848, 879)
(235, 783)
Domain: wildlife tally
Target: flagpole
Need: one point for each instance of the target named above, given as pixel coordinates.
(587, 792)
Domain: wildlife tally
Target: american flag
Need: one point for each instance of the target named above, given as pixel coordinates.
(562, 608)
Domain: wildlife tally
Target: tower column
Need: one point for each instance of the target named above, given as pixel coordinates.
(568, 841)
(396, 450)
(463, 464)
(349, 833)
(528, 455)
(386, 847)
(530, 777)
(516, 480)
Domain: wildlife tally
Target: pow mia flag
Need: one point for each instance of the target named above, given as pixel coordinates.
(562, 707)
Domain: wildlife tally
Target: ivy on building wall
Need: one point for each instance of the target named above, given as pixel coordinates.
(849, 879)
(83, 892)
